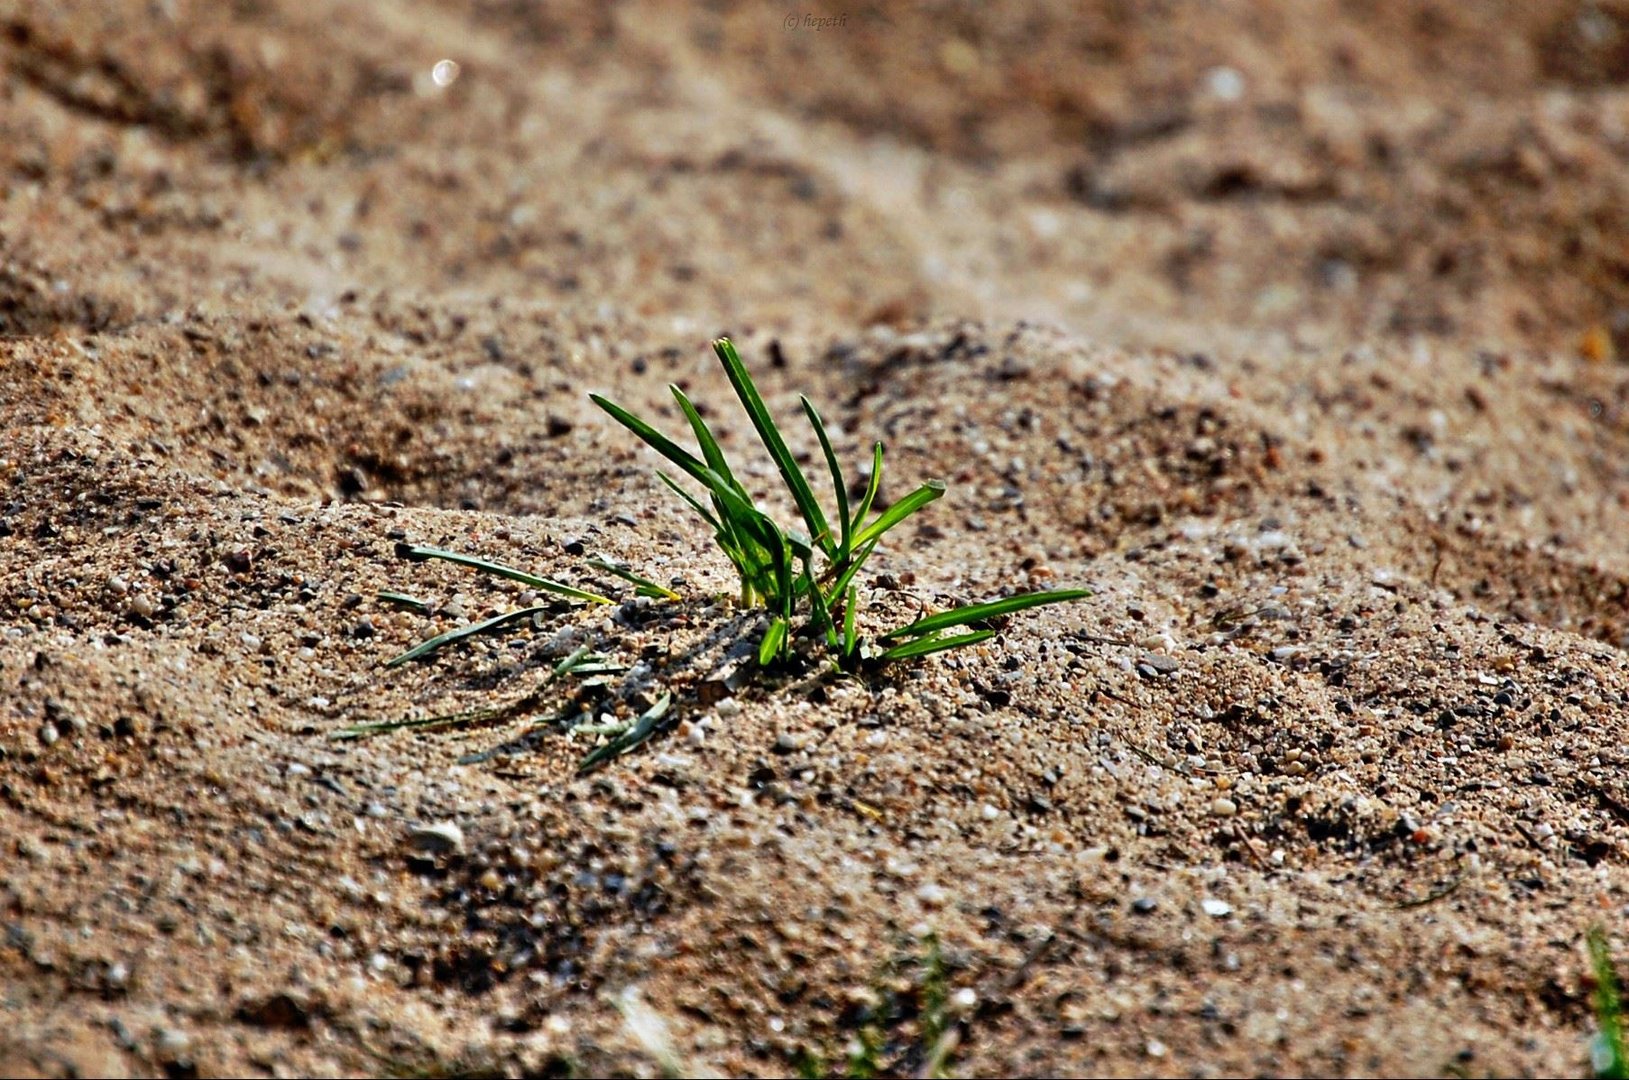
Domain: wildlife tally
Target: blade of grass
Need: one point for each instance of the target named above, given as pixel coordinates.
(1607, 1055)
(663, 445)
(927, 645)
(419, 554)
(972, 613)
(709, 445)
(774, 637)
(642, 586)
(818, 607)
(769, 434)
(872, 486)
(695, 503)
(641, 729)
(757, 526)
(900, 510)
(851, 601)
(844, 524)
(858, 559)
(423, 607)
(452, 637)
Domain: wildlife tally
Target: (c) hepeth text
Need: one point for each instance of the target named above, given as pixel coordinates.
(808, 20)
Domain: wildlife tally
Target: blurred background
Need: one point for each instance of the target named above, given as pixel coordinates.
(1137, 169)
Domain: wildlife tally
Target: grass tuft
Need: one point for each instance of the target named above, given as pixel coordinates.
(805, 579)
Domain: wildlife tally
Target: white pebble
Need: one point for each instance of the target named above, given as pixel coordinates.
(1224, 807)
(1216, 909)
(441, 836)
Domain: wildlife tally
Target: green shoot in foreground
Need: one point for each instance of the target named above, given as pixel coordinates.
(805, 580)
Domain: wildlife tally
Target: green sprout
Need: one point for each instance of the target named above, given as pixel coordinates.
(1607, 1054)
(808, 576)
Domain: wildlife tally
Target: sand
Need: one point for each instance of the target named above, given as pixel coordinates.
(1295, 331)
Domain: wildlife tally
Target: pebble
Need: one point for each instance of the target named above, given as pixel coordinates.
(49, 734)
(1152, 664)
(1144, 905)
(143, 605)
(932, 895)
(1216, 909)
(786, 742)
(443, 837)
(1223, 807)
(170, 1042)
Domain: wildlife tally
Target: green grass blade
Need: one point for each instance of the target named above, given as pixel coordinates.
(927, 645)
(856, 561)
(796, 482)
(1607, 1054)
(818, 607)
(663, 445)
(452, 637)
(423, 607)
(872, 486)
(774, 638)
(767, 540)
(584, 661)
(695, 503)
(901, 510)
(973, 613)
(642, 586)
(845, 524)
(642, 729)
(419, 554)
(709, 445)
(851, 601)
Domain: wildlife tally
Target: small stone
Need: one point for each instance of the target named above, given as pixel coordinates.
(786, 743)
(363, 629)
(1152, 664)
(1144, 905)
(143, 605)
(171, 1043)
(49, 734)
(238, 560)
(1216, 909)
(441, 838)
(1224, 807)
(932, 895)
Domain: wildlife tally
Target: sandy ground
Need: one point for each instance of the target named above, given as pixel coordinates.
(1296, 331)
